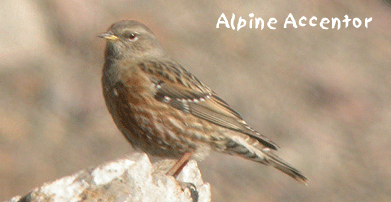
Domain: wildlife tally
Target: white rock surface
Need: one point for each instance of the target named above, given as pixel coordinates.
(130, 179)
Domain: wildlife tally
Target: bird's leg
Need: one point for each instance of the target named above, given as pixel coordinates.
(177, 168)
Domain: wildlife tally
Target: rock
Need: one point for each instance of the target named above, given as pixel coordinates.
(130, 179)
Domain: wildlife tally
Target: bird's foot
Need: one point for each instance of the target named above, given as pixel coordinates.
(192, 188)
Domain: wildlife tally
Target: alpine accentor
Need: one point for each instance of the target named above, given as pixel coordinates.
(164, 110)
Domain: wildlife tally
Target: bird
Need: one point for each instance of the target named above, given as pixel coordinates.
(164, 110)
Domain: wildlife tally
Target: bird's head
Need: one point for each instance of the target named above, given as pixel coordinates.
(130, 39)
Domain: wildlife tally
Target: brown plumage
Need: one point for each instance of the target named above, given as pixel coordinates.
(164, 110)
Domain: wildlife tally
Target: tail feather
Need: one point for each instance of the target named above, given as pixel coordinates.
(281, 165)
(251, 149)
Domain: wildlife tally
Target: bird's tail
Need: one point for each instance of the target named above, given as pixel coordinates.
(251, 149)
(275, 161)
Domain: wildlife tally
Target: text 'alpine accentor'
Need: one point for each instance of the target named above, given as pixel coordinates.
(164, 110)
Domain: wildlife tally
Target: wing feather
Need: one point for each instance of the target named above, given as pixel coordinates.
(186, 93)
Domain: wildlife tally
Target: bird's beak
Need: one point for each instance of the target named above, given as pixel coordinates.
(108, 36)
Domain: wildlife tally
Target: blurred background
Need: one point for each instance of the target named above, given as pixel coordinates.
(323, 95)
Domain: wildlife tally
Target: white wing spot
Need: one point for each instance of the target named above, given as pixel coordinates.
(167, 99)
(182, 100)
(248, 127)
(266, 149)
(186, 108)
(115, 92)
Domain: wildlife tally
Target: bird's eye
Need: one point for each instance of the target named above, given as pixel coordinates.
(133, 37)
